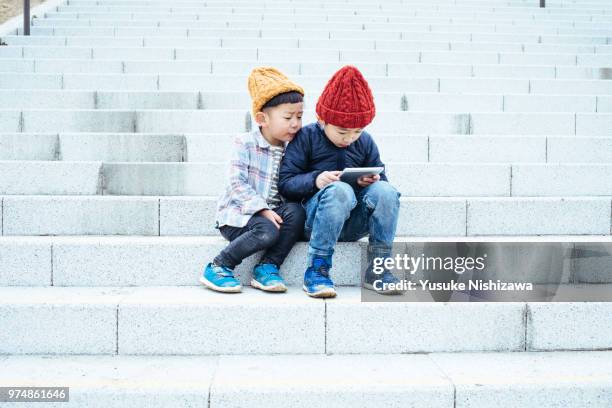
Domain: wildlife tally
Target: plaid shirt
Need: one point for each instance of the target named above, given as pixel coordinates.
(250, 180)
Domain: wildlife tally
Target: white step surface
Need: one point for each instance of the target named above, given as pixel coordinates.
(408, 101)
(208, 179)
(235, 121)
(193, 320)
(389, 45)
(442, 380)
(88, 261)
(207, 147)
(419, 216)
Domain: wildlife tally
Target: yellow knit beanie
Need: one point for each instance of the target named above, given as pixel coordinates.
(267, 82)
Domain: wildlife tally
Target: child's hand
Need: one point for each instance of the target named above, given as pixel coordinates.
(365, 181)
(327, 177)
(272, 216)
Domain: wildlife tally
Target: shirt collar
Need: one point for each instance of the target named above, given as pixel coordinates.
(261, 141)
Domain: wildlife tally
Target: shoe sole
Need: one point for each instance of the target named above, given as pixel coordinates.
(279, 287)
(383, 292)
(210, 285)
(324, 293)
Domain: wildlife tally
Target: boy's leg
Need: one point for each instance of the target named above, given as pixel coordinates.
(326, 213)
(375, 215)
(291, 230)
(382, 200)
(258, 234)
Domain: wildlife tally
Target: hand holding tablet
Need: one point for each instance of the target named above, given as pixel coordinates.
(352, 174)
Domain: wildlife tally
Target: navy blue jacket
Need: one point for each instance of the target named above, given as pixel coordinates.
(310, 153)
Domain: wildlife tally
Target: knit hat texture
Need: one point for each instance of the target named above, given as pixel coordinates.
(267, 82)
(347, 100)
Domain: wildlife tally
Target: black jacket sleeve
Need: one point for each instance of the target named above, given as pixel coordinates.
(296, 181)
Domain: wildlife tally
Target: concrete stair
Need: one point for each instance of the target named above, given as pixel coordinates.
(434, 380)
(190, 320)
(494, 119)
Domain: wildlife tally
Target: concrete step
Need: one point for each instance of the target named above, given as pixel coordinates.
(397, 45)
(392, 17)
(411, 35)
(191, 21)
(560, 12)
(431, 10)
(239, 69)
(402, 16)
(154, 77)
(87, 261)
(409, 71)
(419, 216)
(409, 101)
(193, 320)
(307, 55)
(215, 121)
(411, 179)
(442, 380)
(374, 13)
(200, 17)
(211, 147)
(469, 5)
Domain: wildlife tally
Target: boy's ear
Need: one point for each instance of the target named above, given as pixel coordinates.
(320, 121)
(261, 118)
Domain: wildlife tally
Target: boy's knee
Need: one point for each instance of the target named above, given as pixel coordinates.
(267, 233)
(341, 193)
(294, 215)
(384, 193)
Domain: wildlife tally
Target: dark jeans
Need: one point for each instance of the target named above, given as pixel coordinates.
(260, 233)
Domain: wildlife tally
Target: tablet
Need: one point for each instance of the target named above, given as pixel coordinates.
(351, 174)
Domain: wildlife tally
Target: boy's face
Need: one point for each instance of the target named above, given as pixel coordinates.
(281, 123)
(339, 136)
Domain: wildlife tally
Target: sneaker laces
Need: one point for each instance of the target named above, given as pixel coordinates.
(271, 271)
(225, 272)
(323, 270)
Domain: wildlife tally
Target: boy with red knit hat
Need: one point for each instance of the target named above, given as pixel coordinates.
(338, 210)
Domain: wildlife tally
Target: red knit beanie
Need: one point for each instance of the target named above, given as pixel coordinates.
(347, 100)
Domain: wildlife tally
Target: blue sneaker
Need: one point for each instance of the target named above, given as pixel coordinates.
(220, 278)
(385, 283)
(316, 280)
(266, 277)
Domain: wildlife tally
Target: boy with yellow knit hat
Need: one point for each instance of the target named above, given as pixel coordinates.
(251, 214)
(338, 210)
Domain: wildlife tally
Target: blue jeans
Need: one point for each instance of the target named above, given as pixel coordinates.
(338, 213)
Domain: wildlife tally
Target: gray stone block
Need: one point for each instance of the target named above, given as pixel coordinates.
(354, 326)
(58, 320)
(25, 261)
(117, 147)
(42, 177)
(562, 179)
(170, 321)
(74, 215)
(544, 380)
(569, 326)
(78, 121)
(114, 381)
(538, 216)
(28, 146)
(346, 381)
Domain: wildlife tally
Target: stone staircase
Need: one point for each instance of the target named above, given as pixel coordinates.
(494, 119)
